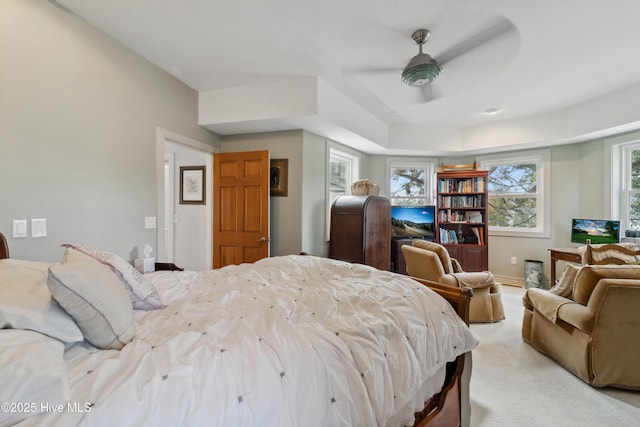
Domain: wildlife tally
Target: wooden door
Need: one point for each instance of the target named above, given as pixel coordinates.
(240, 207)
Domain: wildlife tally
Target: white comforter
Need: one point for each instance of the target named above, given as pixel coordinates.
(287, 341)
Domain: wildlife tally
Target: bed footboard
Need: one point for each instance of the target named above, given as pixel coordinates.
(452, 406)
(4, 247)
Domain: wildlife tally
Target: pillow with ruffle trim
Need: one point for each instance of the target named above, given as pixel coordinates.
(143, 294)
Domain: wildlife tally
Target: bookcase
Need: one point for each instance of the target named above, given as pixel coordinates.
(461, 210)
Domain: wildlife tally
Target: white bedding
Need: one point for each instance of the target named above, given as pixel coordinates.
(287, 341)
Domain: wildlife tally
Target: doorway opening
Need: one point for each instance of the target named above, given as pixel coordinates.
(183, 233)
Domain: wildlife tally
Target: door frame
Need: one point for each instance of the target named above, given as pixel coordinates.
(234, 216)
(169, 207)
(162, 136)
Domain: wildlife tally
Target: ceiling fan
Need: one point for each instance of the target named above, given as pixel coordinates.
(423, 69)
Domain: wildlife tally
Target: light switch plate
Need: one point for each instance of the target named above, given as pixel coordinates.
(150, 222)
(38, 227)
(19, 229)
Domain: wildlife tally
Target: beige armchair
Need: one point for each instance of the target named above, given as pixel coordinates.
(431, 261)
(594, 330)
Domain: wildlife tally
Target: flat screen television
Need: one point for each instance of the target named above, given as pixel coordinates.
(596, 230)
(413, 222)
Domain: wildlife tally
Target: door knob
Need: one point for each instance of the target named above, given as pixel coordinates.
(262, 240)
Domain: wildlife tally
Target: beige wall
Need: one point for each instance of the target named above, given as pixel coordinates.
(298, 221)
(577, 190)
(78, 119)
(286, 212)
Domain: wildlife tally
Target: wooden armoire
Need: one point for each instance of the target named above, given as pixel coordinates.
(361, 230)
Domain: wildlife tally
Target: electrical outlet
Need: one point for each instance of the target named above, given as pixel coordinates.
(38, 227)
(514, 260)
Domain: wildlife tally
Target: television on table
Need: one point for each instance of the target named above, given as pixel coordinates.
(413, 222)
(597, 231)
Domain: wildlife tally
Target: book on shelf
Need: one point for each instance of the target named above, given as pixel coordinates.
(475, 201)
(448, 215)
(479, 233)
(448, 236)
(457, 185)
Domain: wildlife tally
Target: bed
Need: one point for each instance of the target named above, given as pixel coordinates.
(286, 341)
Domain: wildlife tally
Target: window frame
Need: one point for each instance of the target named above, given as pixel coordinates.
(353, 169)
(429, 179)
(542, 195)
(625, 185)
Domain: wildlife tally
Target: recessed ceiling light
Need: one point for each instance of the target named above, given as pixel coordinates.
(492, 111)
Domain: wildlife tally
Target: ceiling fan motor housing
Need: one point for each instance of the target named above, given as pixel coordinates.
(422, 68)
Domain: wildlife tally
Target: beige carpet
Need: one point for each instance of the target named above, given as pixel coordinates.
(514, 385)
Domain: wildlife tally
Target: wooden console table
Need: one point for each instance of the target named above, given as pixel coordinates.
(562, 254)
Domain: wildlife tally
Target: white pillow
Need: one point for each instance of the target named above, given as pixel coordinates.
(143, 294)
(92, 294)
(33, 374)
(26, 302)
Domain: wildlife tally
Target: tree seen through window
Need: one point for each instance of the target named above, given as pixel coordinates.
(407, 186)
(513, 195)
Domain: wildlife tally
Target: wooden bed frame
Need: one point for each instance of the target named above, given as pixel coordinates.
(449, 408)
(452, 406)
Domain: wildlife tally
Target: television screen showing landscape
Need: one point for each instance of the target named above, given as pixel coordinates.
(597, 230)
(413, 221)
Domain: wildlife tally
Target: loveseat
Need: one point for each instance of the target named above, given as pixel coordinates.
(589, 323)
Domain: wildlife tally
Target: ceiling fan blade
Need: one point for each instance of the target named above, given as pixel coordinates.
(492, 31)
(428, 93)
(370, 70)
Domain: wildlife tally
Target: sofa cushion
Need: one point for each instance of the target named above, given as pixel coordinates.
(564, 287)
(438, 249)
(544, 302)
(589, 275)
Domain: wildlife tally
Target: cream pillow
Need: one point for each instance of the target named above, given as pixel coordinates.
(142, 293)
(33, 374)
(564, 287)
(92, 294)
(26, 302)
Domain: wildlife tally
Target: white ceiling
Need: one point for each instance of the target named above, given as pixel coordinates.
(563, 71)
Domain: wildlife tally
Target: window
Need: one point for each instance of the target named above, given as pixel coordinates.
(518, 200)
(344, 169)
(410, 184)
(630, 197)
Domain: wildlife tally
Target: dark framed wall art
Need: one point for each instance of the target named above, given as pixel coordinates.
(278, 177)
(192, 185)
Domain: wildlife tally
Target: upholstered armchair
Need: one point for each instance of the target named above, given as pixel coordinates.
(589, 323)
(431, 261)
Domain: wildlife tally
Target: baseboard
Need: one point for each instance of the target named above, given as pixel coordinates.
(515, 281)
(510, 281)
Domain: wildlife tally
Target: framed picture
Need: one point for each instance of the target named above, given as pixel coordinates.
(278, 177)
(192, 185)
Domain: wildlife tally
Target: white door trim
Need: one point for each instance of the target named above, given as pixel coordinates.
(162, 136)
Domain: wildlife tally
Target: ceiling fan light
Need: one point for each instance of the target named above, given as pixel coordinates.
(422, 69)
